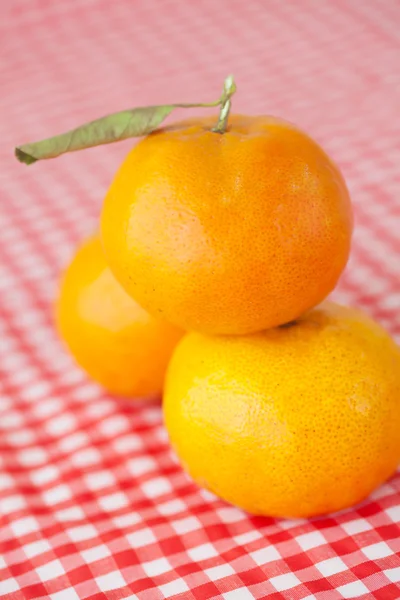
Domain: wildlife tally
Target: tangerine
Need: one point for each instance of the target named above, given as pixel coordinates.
(295, 421)
(110, 336)
(227, 233)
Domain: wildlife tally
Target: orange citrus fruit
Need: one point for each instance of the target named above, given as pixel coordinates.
(111, 337)
(296, 421)
(227, 233)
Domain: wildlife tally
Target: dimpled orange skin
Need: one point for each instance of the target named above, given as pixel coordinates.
(296, 421)
(227, 233)
(111, 337)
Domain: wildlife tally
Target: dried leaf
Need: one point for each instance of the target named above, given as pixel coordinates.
(113, 128)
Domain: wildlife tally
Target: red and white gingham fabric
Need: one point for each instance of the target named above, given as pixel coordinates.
(92, 503)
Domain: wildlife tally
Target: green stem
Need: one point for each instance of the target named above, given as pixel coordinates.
(229, 90)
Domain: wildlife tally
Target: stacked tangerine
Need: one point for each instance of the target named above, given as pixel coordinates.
(276, 400)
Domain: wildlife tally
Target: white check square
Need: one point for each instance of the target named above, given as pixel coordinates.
(143, 537)
(202, 552)
(219, 572)
(11, 504)
(114, 501)
(69, 594)
(51, 570)
(246, 538)
(393, 574)
(33, 456)
(331, 566)
(24, 526)
(99, 480)
(111, 581)
(353, 589)
(131, 518)
(230, 514)
(138, 466)
(376, 551)
(156, 487)
(178, 586)
(172, 507)
(186, 525)
(8, 586)
(86, 457)
(356, 526)
(265, 555)
(307, 541)
(84, 532)
(73, 513)
(36, 548)
(393, 513)
(44, 475)
(97, 553)
(56, 495)
(284, 582)
(156, 567)
(239, 594)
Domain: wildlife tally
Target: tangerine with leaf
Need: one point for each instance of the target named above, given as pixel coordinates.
(226, 228)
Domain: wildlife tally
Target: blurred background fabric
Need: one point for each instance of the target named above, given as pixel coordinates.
(92, 503)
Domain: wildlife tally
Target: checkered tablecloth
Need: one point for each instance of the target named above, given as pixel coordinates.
(92, 503)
